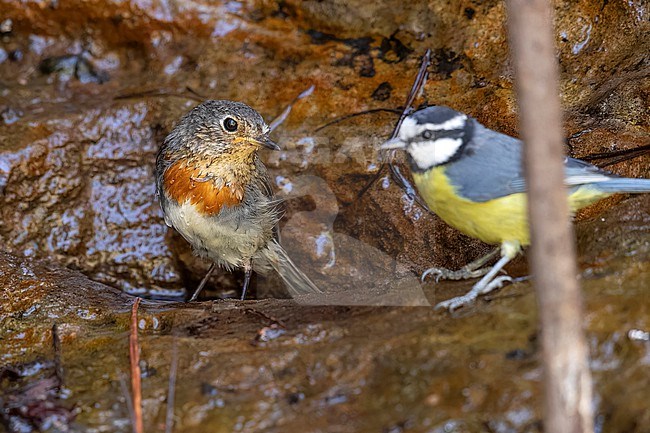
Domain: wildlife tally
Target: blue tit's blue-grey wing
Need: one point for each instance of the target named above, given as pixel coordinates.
(489, 167)
(492, 167)
(576, 173)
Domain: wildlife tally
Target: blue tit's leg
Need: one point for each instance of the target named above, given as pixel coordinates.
(509, 250)
(485, 285)
(203, 281)
(470, 270)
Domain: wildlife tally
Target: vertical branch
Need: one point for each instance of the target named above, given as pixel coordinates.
(567, 379)
(134, 355)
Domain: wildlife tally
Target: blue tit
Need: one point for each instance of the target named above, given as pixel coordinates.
(473, 178)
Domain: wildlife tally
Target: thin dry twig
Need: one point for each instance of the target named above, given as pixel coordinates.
(56, 343)
(398, 177)
(163, 93)
(282, 117)
(136, 385)
(263, 315)
(360, 113)
(618, 156)
(127, 395)
(171, 391)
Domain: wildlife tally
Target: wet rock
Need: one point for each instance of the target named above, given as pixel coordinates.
(75, 65)
(325, 367)
(80, 191)
(76, 167)
(10, 115)
(6, 26)
(382, 92)
(76, 189)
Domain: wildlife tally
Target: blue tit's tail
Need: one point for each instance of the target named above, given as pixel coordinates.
(623, 185)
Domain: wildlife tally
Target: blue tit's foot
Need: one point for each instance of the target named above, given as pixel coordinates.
(480, 288)
(474, 269)
(464, 273)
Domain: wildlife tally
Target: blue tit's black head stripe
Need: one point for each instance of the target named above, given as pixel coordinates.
(436, 114)
(466, 134)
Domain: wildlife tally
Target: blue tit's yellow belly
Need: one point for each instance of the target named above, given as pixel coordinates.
(494, 221)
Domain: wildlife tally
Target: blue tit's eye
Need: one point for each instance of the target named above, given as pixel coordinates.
(427, 134)
(230, 124)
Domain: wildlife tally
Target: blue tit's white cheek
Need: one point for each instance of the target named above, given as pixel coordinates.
(409, 129)
(427, 154)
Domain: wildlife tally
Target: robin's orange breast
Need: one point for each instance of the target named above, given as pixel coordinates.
(185, 183)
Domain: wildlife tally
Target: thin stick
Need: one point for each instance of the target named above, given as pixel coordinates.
(353, 115)
(400, 179)
(285, 113)
(171, 391)
(56, 343)
(618, 156)
(195, 93)
(418, 84)
(127, 396)
(136, 385)
(161, 93)
(567, 380)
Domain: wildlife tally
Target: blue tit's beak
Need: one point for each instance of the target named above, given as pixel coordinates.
(266, 142)
(393, 143)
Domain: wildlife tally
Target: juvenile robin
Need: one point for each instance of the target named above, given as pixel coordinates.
(215, 191)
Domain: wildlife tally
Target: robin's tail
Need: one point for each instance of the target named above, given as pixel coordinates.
(297, 282)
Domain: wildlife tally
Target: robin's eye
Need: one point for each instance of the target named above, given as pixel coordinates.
(427, 134)
(230, 124)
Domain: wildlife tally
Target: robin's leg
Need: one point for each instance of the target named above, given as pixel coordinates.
(248, 270)
(203, 281)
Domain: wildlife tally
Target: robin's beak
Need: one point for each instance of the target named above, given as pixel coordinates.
(393, 143)
(262, 141)
(266, 142)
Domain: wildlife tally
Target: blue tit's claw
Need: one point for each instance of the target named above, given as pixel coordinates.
(464, 273)
(479, 288)
(436, 271)
(431, 271)
(457, 302)
(497, 283)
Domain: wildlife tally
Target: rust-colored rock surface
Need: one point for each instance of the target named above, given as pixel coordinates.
(88, 89)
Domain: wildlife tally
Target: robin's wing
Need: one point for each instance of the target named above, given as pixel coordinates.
(492, 167)
(162, 163)
(264, 183)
